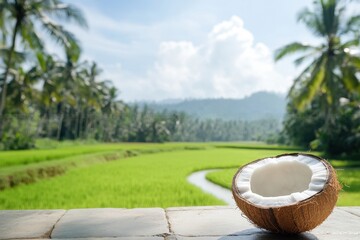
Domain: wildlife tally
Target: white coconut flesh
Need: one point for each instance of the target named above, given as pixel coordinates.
(281, 181)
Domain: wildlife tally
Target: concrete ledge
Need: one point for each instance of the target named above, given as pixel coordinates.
(197, 223)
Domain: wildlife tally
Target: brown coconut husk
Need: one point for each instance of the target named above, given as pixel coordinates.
(295, 218)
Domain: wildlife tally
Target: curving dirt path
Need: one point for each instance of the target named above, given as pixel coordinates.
(199, 179)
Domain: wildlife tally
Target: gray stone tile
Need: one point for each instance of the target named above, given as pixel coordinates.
(200, 207)
(107, 222)
(337, 237)
(28, 223)
(171, 237)
(114, 238)
(339, 222)
(305, 236)
(207, 222)
(228, 222)
(253, 234)
(353, 210)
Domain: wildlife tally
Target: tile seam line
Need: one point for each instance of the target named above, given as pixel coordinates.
(220, 235)
(202, 209)
(53, 227)
(168, 222)
(102, 237)
(357, 215)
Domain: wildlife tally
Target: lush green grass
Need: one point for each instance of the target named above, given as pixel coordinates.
(151, 180)
(47, 143)
(29, 166)
(349, 178)
(13, 158)
(145, 180)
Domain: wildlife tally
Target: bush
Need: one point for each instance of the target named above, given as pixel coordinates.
(18, 134)
(18, 141)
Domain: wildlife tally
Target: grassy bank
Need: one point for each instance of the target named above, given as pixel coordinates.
(29, 166)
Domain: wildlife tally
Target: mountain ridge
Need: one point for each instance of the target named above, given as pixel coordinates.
(259, 105)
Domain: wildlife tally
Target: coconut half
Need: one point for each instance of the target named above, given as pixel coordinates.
(289, 193)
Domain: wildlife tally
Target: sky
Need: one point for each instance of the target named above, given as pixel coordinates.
(159, 49)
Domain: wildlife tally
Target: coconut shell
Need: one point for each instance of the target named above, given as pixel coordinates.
(295, 218)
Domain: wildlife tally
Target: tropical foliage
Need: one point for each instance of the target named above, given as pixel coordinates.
(324, 100)
(44, 95)
(70, 90)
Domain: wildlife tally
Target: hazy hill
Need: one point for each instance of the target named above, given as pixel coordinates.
(257, 106)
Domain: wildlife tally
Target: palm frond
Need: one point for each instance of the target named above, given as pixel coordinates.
(354, 61)
(73, 53)
(299, 79)
(351, 43)
(312, 21)
(17, 56)
(58, 33)
(330, 16)
(41, 60)
(350, 80)
(3, 17)
(68, 12)
(292, 48)
(300, 60)
(311, 85)
(30, 35)
(351, 25)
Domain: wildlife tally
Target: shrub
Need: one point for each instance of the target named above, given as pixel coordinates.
(18, 134)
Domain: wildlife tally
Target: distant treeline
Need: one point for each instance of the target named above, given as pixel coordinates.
(256, 106)
(131, 124)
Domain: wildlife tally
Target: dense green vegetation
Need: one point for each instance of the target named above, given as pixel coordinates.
(146, 180)
(28, 166)
(74, 101)
(61, 97)
(133, 175)
(323, 111)
(349, 178)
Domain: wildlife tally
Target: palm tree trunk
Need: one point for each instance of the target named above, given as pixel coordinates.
(84, 128)
(60, 116)
(7, 70)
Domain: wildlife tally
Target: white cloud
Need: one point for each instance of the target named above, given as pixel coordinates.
(229, 64)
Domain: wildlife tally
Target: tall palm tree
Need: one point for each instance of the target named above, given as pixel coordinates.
(26, 18)
(332, 67)
(110, 103)
(94, 88)
(21, 93)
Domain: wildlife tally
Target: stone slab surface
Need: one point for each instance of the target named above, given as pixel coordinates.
(201, 207)
(273, 237)
(228, 223)
(353, 210)
(188, 223)
(107, 222)
(114, 238)
(28, 223)
(340, 222)
(101, 238)
(207, 221)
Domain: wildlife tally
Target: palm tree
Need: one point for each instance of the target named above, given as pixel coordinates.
(68, 86)
(29, 16)
(332, 72)
(21, 93)
(110, 103)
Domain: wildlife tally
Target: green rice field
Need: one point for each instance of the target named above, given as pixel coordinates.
(130, 175)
